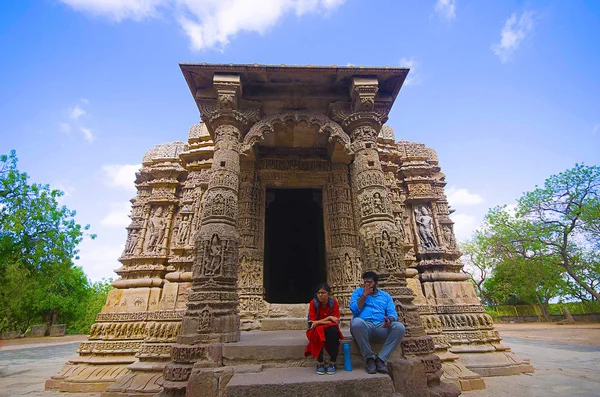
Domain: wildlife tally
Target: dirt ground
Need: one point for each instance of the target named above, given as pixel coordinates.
(566, 360)
(580, 333)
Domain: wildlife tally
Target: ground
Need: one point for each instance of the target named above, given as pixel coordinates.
(566, 360)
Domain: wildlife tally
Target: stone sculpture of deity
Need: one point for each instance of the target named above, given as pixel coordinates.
(424, 224)
(156, 229)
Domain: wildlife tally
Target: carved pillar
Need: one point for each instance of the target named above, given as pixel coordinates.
(379, 238)
(211, 318)
(250, 272)
(344, 268)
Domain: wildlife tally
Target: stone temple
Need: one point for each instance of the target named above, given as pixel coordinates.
(292, 178)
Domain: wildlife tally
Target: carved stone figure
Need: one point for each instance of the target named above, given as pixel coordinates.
(214, 257)
(424, 226)
(132, 241)
(386, 252)
(448, 236)
(156, 231)
(184, 230)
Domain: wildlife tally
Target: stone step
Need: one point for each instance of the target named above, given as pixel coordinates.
(283, 324)
(280, 349)
(304, 382)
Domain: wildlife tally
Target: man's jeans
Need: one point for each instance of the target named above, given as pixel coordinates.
(365, 332)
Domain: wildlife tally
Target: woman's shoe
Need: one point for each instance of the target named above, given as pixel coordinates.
(331, 369)
(321, 369)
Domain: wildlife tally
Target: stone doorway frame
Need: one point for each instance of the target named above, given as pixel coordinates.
(285, 168)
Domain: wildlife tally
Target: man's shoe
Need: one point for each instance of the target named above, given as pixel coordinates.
(321, 369)
(371, 368)
(380, 366)
(331, 369)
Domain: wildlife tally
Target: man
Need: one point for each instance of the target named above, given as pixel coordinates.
(375, 320)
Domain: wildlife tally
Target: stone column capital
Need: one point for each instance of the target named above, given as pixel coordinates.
(364, 110)
(228, 108)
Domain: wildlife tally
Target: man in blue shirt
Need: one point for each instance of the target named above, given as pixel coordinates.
(375, 320)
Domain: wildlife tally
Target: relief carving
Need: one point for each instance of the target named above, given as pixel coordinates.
(183, 233)
(424, 226)
(448, 236)
(156, 232)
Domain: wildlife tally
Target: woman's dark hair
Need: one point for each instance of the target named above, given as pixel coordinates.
(324, 286)
(372, 275)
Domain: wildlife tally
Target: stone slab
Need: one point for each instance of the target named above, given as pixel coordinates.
(37, 331)
(304, 382)
(11, 335)
(283, 324)
(58, 330)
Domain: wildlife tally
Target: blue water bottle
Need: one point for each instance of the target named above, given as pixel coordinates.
(347, 360)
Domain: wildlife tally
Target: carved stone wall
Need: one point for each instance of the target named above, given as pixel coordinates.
(142, 315)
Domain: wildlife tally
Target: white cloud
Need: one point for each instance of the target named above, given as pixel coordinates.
(207, 23)
(413, 76)
(118, 216)
(87, 134)
(464, 225)
(121, 175)
(65, 127)
(459, 197)
(76, 112)
(596, 129)
(515, 30)
(64, 187)
(446, 8)
(99, 259)
(117, 10)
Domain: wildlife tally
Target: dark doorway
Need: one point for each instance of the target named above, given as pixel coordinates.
(294, 244)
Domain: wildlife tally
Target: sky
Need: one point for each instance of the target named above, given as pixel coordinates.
(507, 92)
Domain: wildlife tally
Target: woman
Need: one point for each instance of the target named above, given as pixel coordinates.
(324, 330)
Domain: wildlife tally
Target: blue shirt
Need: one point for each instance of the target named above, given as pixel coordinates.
(375, 307)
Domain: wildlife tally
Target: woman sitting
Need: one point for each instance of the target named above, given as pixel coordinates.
(324, 330)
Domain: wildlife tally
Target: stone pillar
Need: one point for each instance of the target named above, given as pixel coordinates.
(344, 268)
(251, 264)
(379, 238)
(211, 318)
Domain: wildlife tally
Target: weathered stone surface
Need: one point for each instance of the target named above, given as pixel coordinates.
(58, 330)
(409, 377)
(303, 382)
(37, 331)
(11, 335)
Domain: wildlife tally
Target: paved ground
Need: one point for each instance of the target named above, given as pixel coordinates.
(566, 359)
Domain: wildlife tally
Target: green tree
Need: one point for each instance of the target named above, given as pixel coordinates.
(97, 294)
(564, 219)
(520, 271)
(478, 263)
(548, 246)
(38, 242)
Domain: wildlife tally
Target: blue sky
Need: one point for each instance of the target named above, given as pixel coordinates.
(507, 92)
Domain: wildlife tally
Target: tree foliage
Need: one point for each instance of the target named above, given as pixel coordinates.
(547, 247)
(38, 242)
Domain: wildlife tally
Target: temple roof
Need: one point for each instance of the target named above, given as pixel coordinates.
(284, 88)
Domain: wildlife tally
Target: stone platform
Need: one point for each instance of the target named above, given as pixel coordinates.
(302, 382)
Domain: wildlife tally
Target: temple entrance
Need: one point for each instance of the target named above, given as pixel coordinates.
(294, 244)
